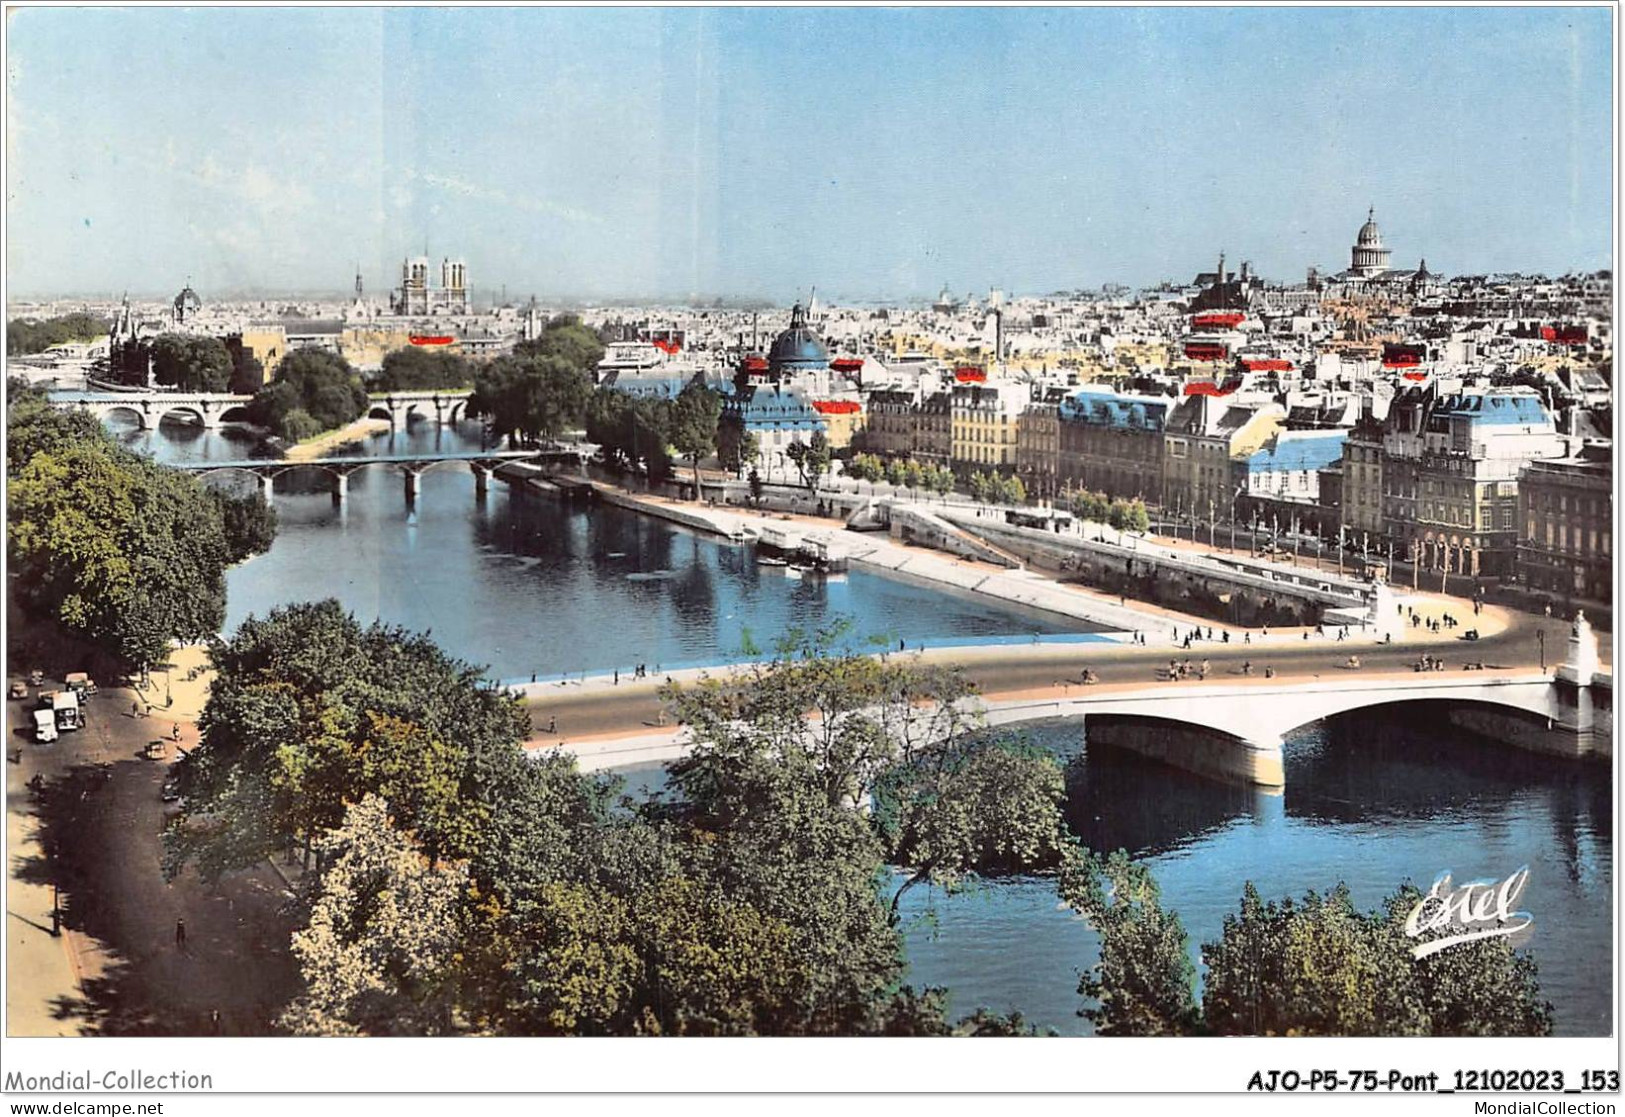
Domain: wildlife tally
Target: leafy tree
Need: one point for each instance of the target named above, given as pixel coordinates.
(895, 472)
(694, 415)
(383, 934)
(123, 552)
(913, 474)
(531, 397)
(309, 711)
(1117, 515)
(416, 369)
(1143, 983)
(35, 335)
(1012, 491)
(311, 388)
(1138, 519)
(247, 372)
(981, 487)
(249, 522)
(565, 337)
(1321, 967)
(755, 482)
(940, 480)
(191, 364)
(1315, 967)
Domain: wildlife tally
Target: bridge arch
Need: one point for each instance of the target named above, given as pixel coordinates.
(380, 411)
(184, 412)
(237, 414)
(107, 411)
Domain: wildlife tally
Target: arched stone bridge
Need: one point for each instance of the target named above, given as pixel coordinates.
(212, 409)
(1236, 730)
(482, 463)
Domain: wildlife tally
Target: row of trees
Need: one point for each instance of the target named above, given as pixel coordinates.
(420, 370)
(313, 391)
(908, 473)
(119, 551)
(35, 335)
(456, 886)
(997, 488)
(1124, 515)
(651, 432)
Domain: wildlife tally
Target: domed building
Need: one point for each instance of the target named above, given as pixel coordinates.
(798, 350)
(1369, 257)
(186, 305)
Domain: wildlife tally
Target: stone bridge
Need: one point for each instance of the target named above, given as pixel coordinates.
(411, 467)
(212, 409)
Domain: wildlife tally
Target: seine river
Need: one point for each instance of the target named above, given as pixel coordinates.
(526, 586)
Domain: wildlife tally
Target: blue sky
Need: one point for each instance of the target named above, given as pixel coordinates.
(869, 152)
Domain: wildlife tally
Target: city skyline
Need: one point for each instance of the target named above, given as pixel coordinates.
(751, 154)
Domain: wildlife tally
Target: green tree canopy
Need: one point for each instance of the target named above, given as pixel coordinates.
(191, 364)
(416, 369)
(312, 388)
(35, 335)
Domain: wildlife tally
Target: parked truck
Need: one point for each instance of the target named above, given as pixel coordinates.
(65, 705)
(44, 726)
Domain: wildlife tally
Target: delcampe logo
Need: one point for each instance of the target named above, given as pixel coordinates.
(1479, 909)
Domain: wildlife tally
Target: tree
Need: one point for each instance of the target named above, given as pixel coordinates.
(530, 397)
(191, 364)
(895, 472)
(1013, 491)
(416, 369)
(311, 389)
(1138, 518)
(565, 337)
(249, 522)
(694, 415)
(941, 480)
(755, 482)
(1143, 983)
(120, 551)
(1315, 967)
(981, 488)
(379, 951)
(34, 335)
(247, 372)
(309, 711)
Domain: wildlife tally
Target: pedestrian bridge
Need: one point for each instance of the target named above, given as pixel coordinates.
(214, 409)
(482, 463)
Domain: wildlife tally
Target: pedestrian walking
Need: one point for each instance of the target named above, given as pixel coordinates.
(617, 676)
(553, 724)
(180, 934)
(135, 707)
(214, 1020)
(533, 676)
(175, 732)
(1246, 637)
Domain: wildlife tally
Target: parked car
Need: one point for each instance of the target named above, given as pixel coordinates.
(19, 689)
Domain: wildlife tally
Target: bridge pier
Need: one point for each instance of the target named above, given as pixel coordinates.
(411, 485)
(267, 486)
(482, 482)
(341, 487)
(1219, 756)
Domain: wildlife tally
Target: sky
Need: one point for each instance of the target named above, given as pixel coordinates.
(871, 153)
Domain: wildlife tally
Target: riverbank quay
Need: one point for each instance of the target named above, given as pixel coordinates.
(320, 445)
(84, 822)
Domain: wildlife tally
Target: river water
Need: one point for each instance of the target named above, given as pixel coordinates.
(1371, 799)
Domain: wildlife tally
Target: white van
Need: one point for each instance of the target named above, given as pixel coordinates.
(44, 726)
(65, 703)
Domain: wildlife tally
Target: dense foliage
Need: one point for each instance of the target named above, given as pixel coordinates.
(35, 335)
(312, 391)
(459, 887)
(413, 369)
(190, 364)
(811, 458)
(1318, 967)
(125, 553)
(543, 389)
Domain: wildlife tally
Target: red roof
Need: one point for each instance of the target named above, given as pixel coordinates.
(846, 364)
(1266, 364)
(837, 406)
(1226, 320)
(432, 339)
(966, 374)
(1206, 350)
(1209, 388)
